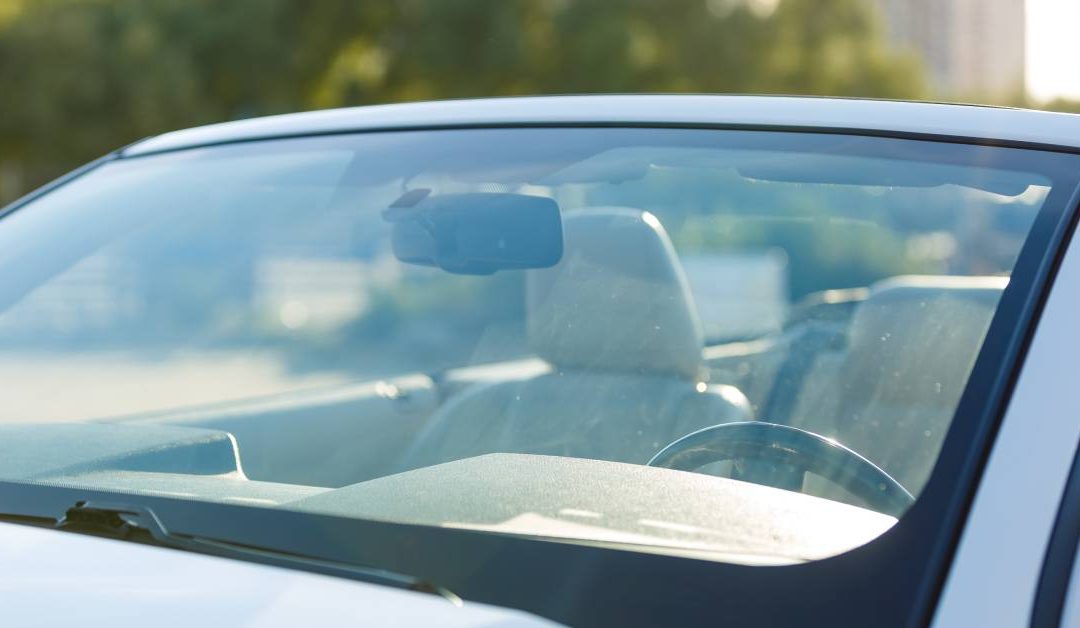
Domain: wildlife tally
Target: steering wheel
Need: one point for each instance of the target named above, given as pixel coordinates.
(798, 450)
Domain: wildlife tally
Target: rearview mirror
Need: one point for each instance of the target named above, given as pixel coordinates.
(476, 234)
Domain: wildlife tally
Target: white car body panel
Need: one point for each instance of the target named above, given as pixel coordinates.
(57, 578)
(1001, 552)
(959, 121)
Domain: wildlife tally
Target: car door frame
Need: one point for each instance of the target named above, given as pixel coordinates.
(1003, 550)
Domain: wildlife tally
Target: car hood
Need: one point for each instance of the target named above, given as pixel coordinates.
(54, 578)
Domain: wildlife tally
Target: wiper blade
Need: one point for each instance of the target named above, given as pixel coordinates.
(137, 523)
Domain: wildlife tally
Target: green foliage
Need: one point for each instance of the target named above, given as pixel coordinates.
(470, 48)
(1063, 104)
(832, 236)
(82, 77)
(822, 254)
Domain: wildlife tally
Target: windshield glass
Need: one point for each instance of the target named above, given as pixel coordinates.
(745, 344)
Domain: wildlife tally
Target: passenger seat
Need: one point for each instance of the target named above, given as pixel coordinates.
(911, 346)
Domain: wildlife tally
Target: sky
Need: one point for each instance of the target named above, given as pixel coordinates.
(1053, 48)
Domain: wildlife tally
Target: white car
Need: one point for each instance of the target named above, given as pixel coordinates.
(598, 360)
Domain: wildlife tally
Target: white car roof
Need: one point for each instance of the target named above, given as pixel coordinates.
(964, 122)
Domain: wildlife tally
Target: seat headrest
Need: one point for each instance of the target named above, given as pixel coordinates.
(617, 301)
(985, 289)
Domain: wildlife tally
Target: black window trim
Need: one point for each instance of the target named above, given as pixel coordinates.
(1060, 558)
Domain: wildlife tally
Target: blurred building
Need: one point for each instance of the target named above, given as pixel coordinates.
(969, 47)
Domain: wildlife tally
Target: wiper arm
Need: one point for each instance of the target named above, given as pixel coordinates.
(140, 524)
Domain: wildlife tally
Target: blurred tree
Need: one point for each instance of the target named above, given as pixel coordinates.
(83, 76)
(1063, 104)
(9, 9)
(474, 48)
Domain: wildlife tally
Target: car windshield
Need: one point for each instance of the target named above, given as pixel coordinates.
(746, 345)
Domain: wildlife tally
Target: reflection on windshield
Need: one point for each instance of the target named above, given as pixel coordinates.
(356, 308)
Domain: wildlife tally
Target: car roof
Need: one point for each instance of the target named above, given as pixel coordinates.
(962, 122)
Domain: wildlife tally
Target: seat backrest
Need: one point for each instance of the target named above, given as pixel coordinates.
(616, 322)
(911, 346)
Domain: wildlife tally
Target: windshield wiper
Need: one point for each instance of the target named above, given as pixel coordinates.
(140, 524)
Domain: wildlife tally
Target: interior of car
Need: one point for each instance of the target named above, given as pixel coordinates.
(621, 370)
(751, 351)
